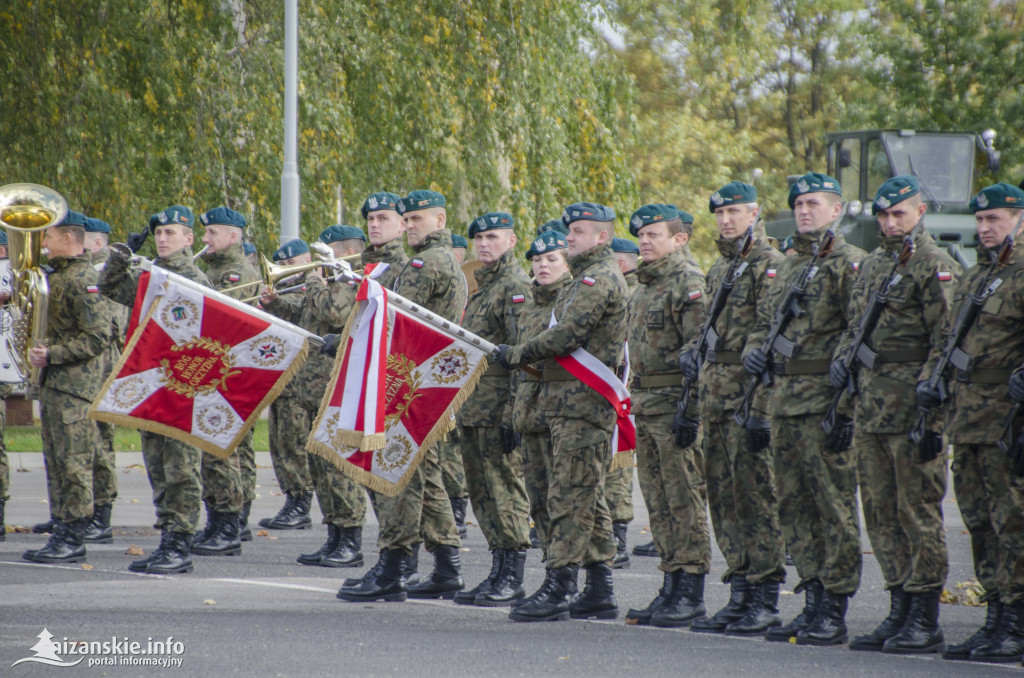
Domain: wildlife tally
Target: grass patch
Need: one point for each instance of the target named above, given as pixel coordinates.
(28, 439)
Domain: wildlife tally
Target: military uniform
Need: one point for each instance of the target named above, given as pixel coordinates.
(618, 483)
(5, 471)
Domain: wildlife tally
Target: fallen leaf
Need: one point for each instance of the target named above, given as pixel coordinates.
(262, 533)
(565, 657)
(19, 529)
(86, 566)
(23, 470)
(134, 501)
(209, 602)
(134, 550)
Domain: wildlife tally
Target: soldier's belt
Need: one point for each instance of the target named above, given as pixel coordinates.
(870, 359)
(552, 374)
(793, 367)
(983, 376)
(657, 380)
(496, 371)
(724, 357)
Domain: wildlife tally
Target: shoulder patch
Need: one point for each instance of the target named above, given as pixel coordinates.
(92, 289)
(695, 294)
(856, 265)
(234, 277)
(416, 263)
(587, 280)
(518, 298)
(944, 276)
(771, 272)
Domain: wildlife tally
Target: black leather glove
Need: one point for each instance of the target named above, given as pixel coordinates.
(759, 434)
(688, 365)
(501, 357)
(684, 428)
(509, 439)
(755, 362)
(841, 437)
(1017, 386)
(928, 398)
(1016, 455)
(838, 375)
(930, 446)
(136, 240)
(330, 346)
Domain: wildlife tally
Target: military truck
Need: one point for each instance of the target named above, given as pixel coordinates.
(946, 164)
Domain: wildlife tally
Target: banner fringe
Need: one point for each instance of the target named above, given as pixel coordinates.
(623, 459)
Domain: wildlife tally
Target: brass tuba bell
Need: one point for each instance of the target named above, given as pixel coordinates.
(26, 210)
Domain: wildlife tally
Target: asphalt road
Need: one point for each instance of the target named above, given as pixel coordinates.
(262, 614)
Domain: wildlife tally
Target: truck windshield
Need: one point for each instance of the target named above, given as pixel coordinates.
(942, 162)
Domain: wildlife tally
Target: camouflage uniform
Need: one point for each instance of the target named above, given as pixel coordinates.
(453, 474)
(666, 312)
(618, 484)
(901, 496)
(591, 314)
(172, 466)
(5, 471)
(230, 483)
(741, 485)
(78, 332)
(495, 479)
(817, 489)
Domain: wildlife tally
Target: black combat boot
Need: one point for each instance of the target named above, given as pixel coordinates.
(411, 569)
(648, 550)
(64, 546)
(740, 594)
(762, 614)
(668, 586)
(828, 626)
(224, 541)
(294, 515)
(286, 510)
(369, 575)
(333, 535)
(598, 598)
(212, 518)
(166, 539)
(1006, 645)
(387, 585)
(621, 560)
(175, 558)
(899, 606)
(45, 528)
(534, 538)
(446, 579)
(244, 533)
(98, 531)
(812, 596)
(684, 605)
(508, 586)
(459, 511)
(349, 550)
(551, 601)
(962, 651)
(3, 528)
(468, 597)
(920, 633)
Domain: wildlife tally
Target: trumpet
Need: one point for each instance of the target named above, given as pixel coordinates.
(281, 274)
(272, 273)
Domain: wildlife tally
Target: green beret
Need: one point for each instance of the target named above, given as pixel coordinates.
(813, 182)
(338, 233)
(894, 191)
(420, 200)
(382, 200)
(548, 241)
(491, 221)
(624, 246)
(93, 225)
(73, 218)
(292, 248)
(586, 211)
(654, 213)
(553, 225)
(175, 214)
(733, 193)
(459, 241)
(223, 216)
(998, 195)
(3, 236)
(248, 248)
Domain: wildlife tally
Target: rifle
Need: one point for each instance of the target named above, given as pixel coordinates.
(858, 351)
(952, 354)
(708, 337)
(789, 309)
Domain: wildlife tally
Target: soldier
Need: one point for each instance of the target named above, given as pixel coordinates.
(77, 335)
(666, 312)
(251, 254)
(173, 467)
(421, 510)
(5, 392)
(459, 246)
(986, 479)
(490, 455)
(816, 477)
(229, 485)
(289, 423)
(344, 240)
(590, 314)
(901, 484)
(737, 461)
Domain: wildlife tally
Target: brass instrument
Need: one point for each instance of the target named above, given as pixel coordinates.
(272, 273)
(26, 210)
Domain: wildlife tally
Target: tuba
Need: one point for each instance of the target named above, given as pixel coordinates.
(26, 210)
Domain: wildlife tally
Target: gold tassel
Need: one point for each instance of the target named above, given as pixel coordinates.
(622, 459)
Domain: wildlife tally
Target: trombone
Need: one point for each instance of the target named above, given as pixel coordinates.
(271, 274)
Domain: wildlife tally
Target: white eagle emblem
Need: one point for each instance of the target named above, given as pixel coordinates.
(717, 198)
(982, 200)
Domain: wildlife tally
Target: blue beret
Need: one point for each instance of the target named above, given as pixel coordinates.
(175, 214)
(547, 241)
(248, 248)
(553, 225)
(813, 182)
(587, 211)
(459, 241)
(292, 248)
(624, 246)
(93, 225)
(382, 200)
(491, 221)
(894, 191)
(996, 196)
(734, 192)
(654, 213)
(420, 200)
(338, 233)
(225, 216)
(73, 218)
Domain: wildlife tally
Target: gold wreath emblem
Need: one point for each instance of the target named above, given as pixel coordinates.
(215, 420)
(179, 312)
(396, 455)
(450, 366)
(129, 392)
(400, 372)
(190, 374)
(268, 351)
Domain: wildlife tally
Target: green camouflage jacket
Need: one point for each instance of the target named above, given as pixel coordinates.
(119, 282)
(632, 281)
(527, 416)
(433, 279)
(391, 253)
(229, 268)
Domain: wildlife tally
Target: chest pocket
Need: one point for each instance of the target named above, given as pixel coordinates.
(993, 306)
(901, 294)
(656, 320)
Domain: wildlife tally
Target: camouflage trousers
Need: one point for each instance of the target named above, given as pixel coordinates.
(672, 482)
(173, 468)
(536, 449)
(104, 466)
(420, 512)
(902, 502)
(817, 504)
(580, 528)
(342, 500)
(288, 428)
(5, 470)
(618, 492)
(743, 504)
(229, 483)
(991, 499)
(496, 488)
(453, 475)
(69, 445)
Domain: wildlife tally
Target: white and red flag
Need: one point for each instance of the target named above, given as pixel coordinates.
(397, 382)
(199, 366)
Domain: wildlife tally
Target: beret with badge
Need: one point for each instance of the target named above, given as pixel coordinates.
(459, 241)
(222, 216)
(292, 248)
(553, 225)
(491, 221)
(338, 232)
(587, 211)
(175, 214)
(996, 196)
(548, 241)
(94, 225)
(248, 248)
(73, 218)
(381, 200)
(420, 200)
(624, 246)
(813, 182)
(894, 191)
(733, 193)
(656, 213)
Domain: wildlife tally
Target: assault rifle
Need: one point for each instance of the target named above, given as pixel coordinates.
(858, 351)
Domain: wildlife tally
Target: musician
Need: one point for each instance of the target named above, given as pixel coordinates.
(5, 391)
(344, 240)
